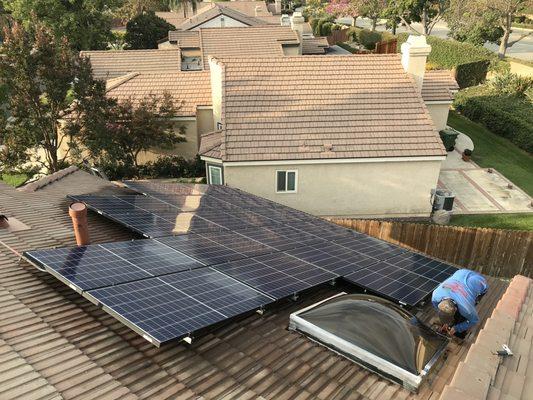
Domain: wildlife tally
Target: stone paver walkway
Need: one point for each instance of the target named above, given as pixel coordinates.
(476, 189)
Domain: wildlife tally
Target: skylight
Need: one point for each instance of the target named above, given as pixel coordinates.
(375, 333)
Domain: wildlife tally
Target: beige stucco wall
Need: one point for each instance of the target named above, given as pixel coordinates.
(350, 189)
(204, 121)
(439, 114)
(289, 50)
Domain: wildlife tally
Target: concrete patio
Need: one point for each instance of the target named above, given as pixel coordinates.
(479, 190)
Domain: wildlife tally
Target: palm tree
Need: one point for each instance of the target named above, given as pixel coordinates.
(183, 4)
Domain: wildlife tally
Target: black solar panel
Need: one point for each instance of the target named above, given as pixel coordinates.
(175, 306)
(278, 275)
(88, 267)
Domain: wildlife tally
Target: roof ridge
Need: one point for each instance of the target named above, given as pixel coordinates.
(121, 80)
(48, 179)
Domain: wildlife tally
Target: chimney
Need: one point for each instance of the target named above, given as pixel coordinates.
(414, 54)
(277, 7)
(297, 23)
(285, 20)
(78, 213)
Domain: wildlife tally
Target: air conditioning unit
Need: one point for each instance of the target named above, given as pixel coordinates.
(443, 200)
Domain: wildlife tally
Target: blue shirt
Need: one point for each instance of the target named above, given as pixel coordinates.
(463, 287)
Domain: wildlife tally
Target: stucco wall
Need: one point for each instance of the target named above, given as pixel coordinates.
(292, 50)
(439, 114)
(349, 189)
(204, 121)
(220, 22)
(216, 91)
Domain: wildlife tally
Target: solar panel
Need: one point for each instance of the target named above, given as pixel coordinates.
(177, 305)
(370, 246)
(407, 278)
(278, 275)
(87, 267)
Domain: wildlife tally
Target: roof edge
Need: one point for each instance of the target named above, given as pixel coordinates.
(47, 180)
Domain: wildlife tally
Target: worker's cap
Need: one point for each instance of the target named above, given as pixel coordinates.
(447, 311)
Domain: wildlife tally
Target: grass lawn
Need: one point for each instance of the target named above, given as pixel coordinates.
(497, 221)
(494, 151)
(14, 179)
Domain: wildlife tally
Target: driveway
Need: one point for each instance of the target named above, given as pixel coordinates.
(479, 190)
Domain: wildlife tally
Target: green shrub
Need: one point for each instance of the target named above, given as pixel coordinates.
(325, 28)
(512, 84)
(471, 74)
(368, 38)
(505, 115)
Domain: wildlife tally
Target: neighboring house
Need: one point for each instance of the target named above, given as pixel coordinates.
(344, 136)
(223, 14)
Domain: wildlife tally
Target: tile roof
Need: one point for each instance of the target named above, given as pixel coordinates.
(316, 45)
(261, 41)
(217, 10)
(188, 89)
(184, 39)
(485, 375)
(439, 85)
(108, 64)
(210, 144)
(317, 107)
(56, 344)
(174, 18)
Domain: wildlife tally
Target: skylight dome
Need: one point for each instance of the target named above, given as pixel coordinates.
(374, 333)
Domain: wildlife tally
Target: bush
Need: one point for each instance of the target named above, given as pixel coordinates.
(164, 167)
(366, 37)
(325, 29)
(505, 115)
(512, 84)
(471, 74)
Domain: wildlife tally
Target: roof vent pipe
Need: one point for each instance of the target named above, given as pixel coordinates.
(78, 213)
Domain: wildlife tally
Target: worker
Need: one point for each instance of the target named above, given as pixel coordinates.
(455, 300)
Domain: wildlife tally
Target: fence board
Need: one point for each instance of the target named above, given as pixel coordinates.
(495, 252)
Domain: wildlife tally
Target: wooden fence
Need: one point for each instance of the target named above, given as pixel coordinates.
(386, 47)
(494, 252)
(337, 36)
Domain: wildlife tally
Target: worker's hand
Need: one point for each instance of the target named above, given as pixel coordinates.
(451, 331)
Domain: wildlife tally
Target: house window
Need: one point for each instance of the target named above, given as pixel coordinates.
(286, 181)
(215, 175)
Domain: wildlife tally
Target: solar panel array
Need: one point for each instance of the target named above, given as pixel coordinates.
(217, 252)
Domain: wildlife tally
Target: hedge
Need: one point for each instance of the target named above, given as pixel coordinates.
(507, 116)
(471, 62)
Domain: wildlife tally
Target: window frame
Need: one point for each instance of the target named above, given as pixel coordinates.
(219, 167)
(286, 181)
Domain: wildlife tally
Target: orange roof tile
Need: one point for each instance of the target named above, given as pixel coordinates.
(439, 85)
(188, 89)
(217, 10)
(316, 45)
(184, 39)
(108, 64)
(290, 108)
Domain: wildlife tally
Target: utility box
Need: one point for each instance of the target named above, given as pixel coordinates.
(443, 200)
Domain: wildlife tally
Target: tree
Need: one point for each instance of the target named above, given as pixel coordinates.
(128, 9)
(128, 128)
(175, 5)
(373, 9)
(344, 8)
(144, 31)
(427, 12)
(86, 23)
(466, 26)
(44, 78)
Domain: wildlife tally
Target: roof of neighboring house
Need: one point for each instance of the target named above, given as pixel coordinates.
(217, 10)
(439, 85)
(175, 18)
(251, 8)
(316, 107)
(56, 344)
(184, 39)
(210, 144)
(485, 375)
(316, 45)
(109, 64)
(265, 41)
(188, 89)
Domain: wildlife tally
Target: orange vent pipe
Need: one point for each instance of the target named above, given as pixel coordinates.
(78, 213)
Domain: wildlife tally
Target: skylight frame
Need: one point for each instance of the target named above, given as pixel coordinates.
(359, 355)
